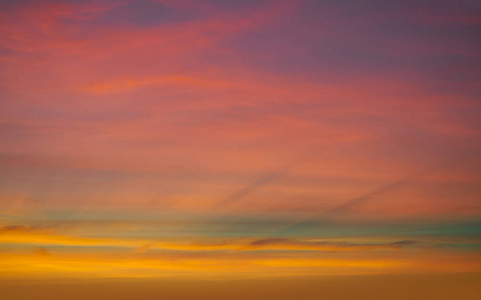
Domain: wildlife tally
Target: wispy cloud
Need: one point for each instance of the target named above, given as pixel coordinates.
(265, 127)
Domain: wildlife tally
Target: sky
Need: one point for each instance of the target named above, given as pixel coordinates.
(239, 140)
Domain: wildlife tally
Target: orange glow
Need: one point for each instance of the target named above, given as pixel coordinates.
(240, 140)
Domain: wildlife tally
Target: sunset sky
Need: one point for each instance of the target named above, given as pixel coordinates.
(239, 140)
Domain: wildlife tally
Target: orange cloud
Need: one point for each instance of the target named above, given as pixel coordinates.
(31, 235)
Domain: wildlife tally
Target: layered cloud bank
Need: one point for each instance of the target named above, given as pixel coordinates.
(239, 138)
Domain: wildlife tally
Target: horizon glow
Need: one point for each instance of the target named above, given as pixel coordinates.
(239, 140)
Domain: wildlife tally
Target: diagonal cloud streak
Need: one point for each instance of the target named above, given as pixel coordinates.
(266, 180)
(347, 206)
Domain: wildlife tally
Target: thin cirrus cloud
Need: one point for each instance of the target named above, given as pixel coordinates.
(24, 235)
